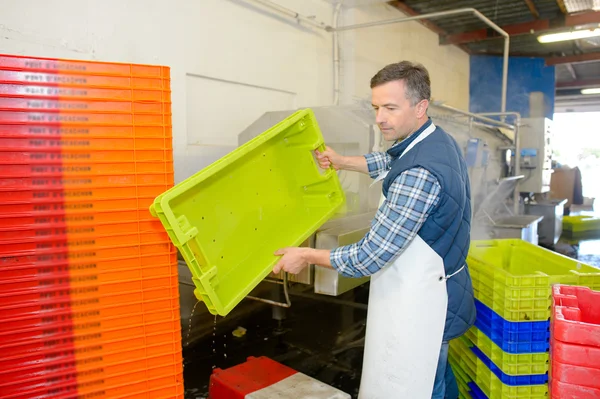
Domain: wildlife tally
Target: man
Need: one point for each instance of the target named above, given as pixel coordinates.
(421, 295)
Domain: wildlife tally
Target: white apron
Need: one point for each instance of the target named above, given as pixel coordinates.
(405, 321)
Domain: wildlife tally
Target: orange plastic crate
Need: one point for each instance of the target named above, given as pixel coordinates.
(114, 342)
(57, 209)
(74, 106)
(79, 132)
(85, 144)
(78, 80)
(70, 279)
(81, 194)
(90, 378)
(50, 245)
(118, 389)
(85, 93)
(154, 322)
(105, 294)
(137, 361)
(62, 66)
(86, 255)
(89, 157)
(64, 118)
(78, 232)
(98, 169)
(56, 317)
(78, 182)
(74, 220)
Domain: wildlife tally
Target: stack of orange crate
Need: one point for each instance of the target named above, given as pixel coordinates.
(88, 278)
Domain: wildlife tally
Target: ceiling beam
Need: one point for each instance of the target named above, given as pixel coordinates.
(561, 5)
(525, 28)
(586, 57)
(578, 84)
(532, 9)
(406, 9)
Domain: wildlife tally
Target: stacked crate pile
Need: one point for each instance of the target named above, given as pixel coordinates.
(88, 279)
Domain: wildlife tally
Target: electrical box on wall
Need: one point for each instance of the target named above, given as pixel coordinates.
(535, 139)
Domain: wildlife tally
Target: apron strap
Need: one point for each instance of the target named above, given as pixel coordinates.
(456, 272)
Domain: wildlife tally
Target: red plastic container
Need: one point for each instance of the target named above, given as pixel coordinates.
(576, 315)
(88, 195)
(563, 390)
(243, 379)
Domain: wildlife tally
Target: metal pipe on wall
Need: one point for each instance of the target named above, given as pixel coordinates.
(290, 13)
(336, 55)
(473, 11)
(517, 153)
(480, 117)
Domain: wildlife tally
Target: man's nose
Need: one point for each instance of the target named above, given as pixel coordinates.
(379, 117)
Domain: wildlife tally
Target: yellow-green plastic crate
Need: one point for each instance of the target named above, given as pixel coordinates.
(461, 354)
(462, 380)
(514, 277)
(509, 363)
(228, 219)
(581, 224)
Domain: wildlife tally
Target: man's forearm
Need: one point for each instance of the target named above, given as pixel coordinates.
(318, 257)
(356, 164)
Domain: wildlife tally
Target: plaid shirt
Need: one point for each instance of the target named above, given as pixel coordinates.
(410, 198)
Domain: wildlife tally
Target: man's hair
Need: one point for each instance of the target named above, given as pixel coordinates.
(414, 75)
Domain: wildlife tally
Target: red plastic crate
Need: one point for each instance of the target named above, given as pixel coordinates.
(562, 390)
(78, 132)
(576, 375)
(575, 355)
(576, 315)
(62, 66)
(37, 222)
(84, 93)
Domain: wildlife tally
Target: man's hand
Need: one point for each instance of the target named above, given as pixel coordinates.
(293, 260)
(329, 158)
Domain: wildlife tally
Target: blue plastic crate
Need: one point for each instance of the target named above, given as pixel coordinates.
(514, 380)
(513, 337)
(476, 392)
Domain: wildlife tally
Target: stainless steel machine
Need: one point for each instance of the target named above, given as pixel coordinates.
(536, 165)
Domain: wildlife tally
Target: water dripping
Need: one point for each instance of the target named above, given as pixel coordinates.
(187, 337)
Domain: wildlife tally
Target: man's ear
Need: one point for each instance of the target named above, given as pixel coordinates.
(422, 108)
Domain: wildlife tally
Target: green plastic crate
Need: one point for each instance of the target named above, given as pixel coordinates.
(461, 355)
(581, 224)
(228, 219)
(514, 277)
(509, 363)
(462, 379)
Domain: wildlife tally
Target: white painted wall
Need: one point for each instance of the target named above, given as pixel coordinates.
(230, 61)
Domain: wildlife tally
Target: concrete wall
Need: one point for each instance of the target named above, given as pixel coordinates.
(525, 75)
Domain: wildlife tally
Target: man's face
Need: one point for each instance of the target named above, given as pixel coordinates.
(395, 115)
